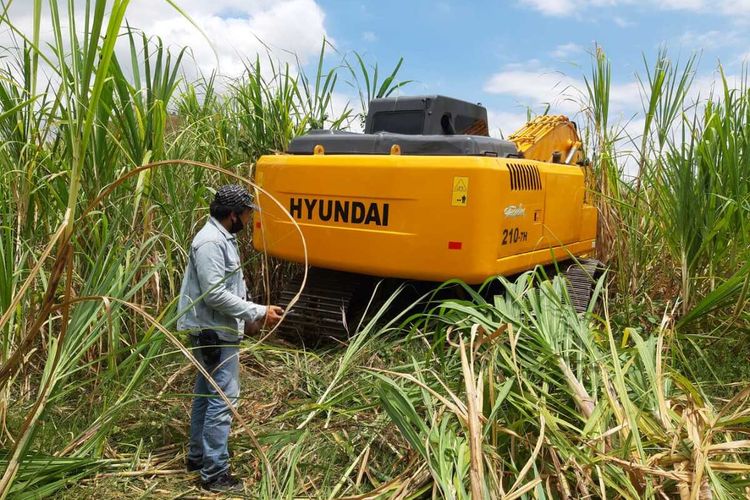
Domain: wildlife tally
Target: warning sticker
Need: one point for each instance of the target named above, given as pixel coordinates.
(460, 191)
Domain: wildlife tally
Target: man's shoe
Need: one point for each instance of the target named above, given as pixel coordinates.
(223, 482)
(193, 465)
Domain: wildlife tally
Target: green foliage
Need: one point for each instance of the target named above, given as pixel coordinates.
(514, 396)
(82, 283)
(568, 406)
(676, 231)
(368, 85)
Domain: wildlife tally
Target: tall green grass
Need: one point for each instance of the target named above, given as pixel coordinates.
(519, 396)
(531, 400)
(80, 282)
(678, 230)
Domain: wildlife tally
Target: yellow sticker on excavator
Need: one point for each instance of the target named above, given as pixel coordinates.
(460, 191)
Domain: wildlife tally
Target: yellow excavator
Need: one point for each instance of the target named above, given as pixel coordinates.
(424, 194)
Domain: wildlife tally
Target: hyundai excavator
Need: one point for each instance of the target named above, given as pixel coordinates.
(423, 195)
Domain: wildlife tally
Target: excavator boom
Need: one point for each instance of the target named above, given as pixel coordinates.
(552, 139)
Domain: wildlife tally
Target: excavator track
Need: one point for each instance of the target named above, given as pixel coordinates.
(333, 302)
(330, 305)
(581, 279)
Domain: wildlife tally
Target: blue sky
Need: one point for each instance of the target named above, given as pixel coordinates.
(510, 55)
(514, 54)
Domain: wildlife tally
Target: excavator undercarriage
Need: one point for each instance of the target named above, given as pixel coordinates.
(333, 304)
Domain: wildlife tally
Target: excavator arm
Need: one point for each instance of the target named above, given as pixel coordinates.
(550, 139)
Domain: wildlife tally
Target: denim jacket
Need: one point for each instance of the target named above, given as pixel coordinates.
(213, 293)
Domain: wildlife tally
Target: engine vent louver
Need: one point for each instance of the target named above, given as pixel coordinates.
(524, 177)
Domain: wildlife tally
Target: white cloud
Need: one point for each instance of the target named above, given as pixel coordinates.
(712, 39)
(733, 6)
(369, 36)
(537, 87)
(709, 86)
(502, 123)
(625, 95)
(286, 27)
(238, 30)
(552, 7)
(683, 4)
(566, 50)
(566, 8)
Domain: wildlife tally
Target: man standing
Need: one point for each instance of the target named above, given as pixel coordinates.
(213, 300)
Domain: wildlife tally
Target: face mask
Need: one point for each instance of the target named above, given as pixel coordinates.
(237, 226)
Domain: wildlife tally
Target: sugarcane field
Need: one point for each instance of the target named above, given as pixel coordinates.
(314, 249)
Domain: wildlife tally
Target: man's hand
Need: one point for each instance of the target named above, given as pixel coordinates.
(273, 315)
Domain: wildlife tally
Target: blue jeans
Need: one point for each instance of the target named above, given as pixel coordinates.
(211, 419)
